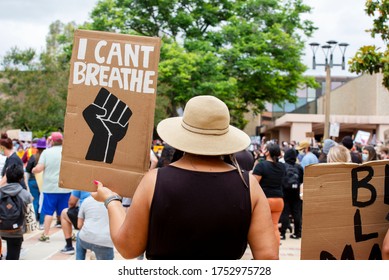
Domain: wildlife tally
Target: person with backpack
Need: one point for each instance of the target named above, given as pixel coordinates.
(13, 202)
(292, 201)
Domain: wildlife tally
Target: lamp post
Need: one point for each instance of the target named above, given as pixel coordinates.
(328, 51)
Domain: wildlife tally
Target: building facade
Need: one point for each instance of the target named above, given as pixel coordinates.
(356, 104)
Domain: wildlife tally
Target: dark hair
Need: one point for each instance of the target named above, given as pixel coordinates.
(348, 142)
(14, 173)
(166, 156)
(6, 142)
(274, 151)
(372, 153)
(290, 156)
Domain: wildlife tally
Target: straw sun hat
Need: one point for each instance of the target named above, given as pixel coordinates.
(204, 129)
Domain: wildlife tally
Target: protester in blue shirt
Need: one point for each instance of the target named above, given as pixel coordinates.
(69, 219)
(309, 157)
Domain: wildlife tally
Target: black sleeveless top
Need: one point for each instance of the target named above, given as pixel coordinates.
(198, 215)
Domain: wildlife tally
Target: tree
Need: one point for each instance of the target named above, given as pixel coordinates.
(245, 52)
(369, 59)
(34, 88)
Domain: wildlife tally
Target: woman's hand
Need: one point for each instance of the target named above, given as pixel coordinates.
(101, 193)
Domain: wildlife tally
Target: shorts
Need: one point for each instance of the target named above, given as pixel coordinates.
(54, 202)
(73, 215)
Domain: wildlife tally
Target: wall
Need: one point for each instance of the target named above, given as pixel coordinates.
(284, 134)
(298, 130)
(382, 97)
(253, 122)
(355, 98)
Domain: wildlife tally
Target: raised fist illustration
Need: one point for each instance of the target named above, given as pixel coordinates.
(108, 118)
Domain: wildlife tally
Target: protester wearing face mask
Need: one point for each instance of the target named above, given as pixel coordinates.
(300, 155)
(309, 157)
(369, 153)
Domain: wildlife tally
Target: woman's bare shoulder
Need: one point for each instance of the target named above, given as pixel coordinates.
(147, 184)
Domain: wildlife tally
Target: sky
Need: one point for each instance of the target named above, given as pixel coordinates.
(25, 24)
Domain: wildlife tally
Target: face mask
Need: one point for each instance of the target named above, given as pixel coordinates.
(364, 157)
(301, 152)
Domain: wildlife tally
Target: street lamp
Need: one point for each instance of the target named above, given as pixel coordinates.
(328, 51)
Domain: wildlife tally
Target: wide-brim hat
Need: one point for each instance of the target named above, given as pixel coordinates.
(204, 129)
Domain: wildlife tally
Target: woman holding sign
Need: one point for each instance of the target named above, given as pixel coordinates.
(198, 207)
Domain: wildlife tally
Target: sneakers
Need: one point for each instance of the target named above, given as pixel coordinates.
(68, 250)
(44, 238)
(294, 236)
(74, 238)
(58, 224)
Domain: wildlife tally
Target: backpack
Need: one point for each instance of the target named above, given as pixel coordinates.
(291, 179)
(12, 211)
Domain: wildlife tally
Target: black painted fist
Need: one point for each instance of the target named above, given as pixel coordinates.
(108, 118)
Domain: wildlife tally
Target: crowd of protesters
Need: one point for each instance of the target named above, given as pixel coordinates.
(270, 162)
(271, 159)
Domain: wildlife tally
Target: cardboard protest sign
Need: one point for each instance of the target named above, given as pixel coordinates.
(334, 129)
(13, 133)
(362, 137)
(110, 111)
(344, 210)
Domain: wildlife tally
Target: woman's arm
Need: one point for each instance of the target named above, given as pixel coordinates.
(257, 172)
(385, 247)
(3, 180)
(129, 232)
(80, 223)
(257, 177)
(38, 168)
(261, 237)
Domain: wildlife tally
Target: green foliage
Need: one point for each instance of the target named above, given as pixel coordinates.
(369, 59)
(247, 53)
(34, 88)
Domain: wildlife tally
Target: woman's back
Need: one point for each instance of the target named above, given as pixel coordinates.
(198, 215)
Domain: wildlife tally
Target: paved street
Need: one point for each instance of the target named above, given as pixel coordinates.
(33, 249)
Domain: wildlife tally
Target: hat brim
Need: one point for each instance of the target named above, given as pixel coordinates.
(172, 132)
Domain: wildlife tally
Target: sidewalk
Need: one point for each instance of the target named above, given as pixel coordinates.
(33, 249)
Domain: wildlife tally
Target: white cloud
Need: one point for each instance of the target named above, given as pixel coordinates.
(25, 23)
